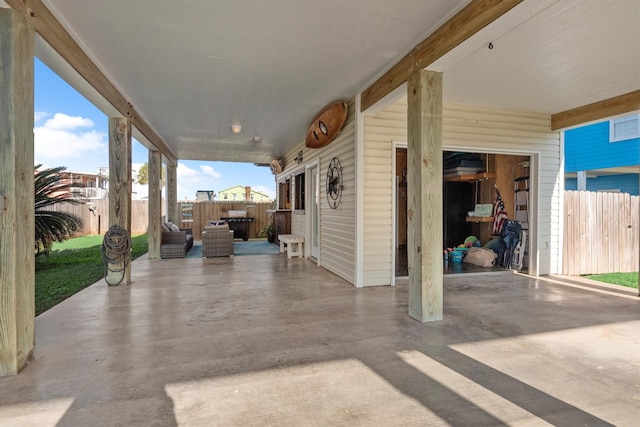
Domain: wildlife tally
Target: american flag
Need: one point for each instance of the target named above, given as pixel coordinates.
(499, 214)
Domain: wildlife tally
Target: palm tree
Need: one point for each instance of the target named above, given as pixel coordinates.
(52, 226)
(143, 174)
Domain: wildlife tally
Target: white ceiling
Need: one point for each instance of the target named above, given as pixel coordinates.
(192, 69)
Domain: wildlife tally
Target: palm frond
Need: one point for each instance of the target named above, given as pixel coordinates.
(53, 226)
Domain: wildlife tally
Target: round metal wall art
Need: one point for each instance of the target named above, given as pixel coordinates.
(334, 184)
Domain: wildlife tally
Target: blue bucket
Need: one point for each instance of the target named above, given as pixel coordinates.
(456, 256)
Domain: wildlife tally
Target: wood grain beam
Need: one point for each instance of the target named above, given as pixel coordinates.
(154, 229)
(474, 17)
(50, 29)
(617, 105)
(120, 187)
(424, 195)
(17, 222)
(172, 194)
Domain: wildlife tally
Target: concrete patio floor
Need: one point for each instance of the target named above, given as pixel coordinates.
(262, 340)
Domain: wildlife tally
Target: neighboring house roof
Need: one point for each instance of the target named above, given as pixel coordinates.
(240, 189)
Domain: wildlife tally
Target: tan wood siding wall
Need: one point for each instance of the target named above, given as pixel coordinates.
(465, 127)
(337, 226)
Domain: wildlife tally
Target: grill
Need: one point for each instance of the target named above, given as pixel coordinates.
(239, 222)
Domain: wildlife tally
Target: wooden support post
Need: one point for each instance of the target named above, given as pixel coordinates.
(17, 259)
(120, 185)
(582, 181)
(154, 233)
(424, 156)
(172, 194)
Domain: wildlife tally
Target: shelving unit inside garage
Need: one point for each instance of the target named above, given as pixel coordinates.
(463, 192)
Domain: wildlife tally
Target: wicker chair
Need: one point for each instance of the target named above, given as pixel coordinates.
(176, 244)
(217, 241)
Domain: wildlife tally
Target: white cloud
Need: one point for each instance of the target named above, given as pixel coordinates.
(193, 176)
(265, 190)
(59, 139)
(39, 115)
(185, 173)
(208, 170)
(62, 121)
(59, 144)
(204, 177)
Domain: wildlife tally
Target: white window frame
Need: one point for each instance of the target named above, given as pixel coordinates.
(635, 133)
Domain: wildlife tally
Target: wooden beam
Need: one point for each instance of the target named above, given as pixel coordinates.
(17, 258)
(627, 103)
(172, 194)
(154, 232)
(61, 41)
(120, 185)
(474, 17)
(424, 191)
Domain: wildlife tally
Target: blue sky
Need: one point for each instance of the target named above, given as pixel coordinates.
(70, 131)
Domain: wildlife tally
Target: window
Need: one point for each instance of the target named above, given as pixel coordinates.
(624, 128)
(299, 189)
(284, 195)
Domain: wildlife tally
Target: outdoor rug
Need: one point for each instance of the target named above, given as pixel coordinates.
(250, 247)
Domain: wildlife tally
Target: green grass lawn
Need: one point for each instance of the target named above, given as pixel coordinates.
(72, 266)
(623, 279)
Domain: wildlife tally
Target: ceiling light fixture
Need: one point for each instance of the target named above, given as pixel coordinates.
(236, 128)
(256, 139)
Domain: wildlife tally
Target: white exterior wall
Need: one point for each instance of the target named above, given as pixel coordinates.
(337, 235)
(378, 222)
(465, 128)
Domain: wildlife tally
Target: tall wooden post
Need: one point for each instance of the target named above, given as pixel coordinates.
(120, 184)
(154, 233)
(424, 189)
(17, 263)
(172, 194)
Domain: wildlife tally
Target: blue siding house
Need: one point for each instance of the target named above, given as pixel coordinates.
(604, 156)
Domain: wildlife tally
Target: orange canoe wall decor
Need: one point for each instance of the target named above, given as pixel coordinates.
(327, 125)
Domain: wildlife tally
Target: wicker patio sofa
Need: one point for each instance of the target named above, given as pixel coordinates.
(175, 244)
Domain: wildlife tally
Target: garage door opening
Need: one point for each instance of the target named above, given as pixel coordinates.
(471, 182)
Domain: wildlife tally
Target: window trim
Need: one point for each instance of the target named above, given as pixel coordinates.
(613, 122)
(299, 191)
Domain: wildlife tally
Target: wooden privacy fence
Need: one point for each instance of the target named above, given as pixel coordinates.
(201, 212)
(95, 215)
(601, 232)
